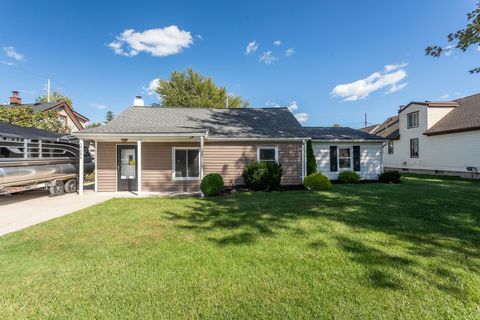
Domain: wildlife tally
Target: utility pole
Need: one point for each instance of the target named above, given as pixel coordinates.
(48, 90)
(365, 119)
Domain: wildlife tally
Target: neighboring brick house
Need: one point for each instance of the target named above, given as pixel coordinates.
(71, 119)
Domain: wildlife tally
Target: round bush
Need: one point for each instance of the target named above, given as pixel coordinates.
(349, 177)
(390, 177)
(317, 182)
(212, 184)
(263, 175)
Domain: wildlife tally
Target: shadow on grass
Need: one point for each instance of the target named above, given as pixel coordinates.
(430, 218)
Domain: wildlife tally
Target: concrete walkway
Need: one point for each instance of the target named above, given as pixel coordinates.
(26, 209)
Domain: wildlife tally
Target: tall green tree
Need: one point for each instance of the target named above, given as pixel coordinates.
(25, 116)
(109, 116)
(55, 97)
(462, 39)
(311, 161)
(191, 89)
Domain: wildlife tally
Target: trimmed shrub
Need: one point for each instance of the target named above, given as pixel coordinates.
(263, 175)
(212, 184)
(349, 177)
(311, 161)
(317, 182)
(390, 177)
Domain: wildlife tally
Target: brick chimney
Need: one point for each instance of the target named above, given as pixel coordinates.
(15, 98)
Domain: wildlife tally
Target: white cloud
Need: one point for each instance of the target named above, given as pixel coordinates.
(289, 52)
(445, 96)
(302, 116)
(251, 47)
(152, 86)
(8, 63)
(393, 67)
(268, 58)
(396, 88)
(160, 42)
(199, 36)
(293, 106)
(277, 43)
(12, 53)
(99, 106)
(478, 48)
(362, 88)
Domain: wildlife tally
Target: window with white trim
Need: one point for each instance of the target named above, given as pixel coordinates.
(267, 154)
(412, 120)
(186, 163)
(390, 147)
(344, 158)
(414, 148)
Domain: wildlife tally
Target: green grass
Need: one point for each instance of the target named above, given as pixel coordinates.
(373, 251)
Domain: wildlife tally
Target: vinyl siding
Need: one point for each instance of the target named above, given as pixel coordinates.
(106, 163)
(371, 159)
(229, 159)
(446, 152)
(225, 158)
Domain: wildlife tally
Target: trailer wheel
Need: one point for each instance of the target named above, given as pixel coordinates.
(57, 189)
(71, 186)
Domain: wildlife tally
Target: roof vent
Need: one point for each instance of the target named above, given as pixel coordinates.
(138, 102)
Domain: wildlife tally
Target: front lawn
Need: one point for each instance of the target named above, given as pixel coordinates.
(409, 251)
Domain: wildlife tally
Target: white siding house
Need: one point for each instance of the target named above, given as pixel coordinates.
(444, 138)
(341, 149)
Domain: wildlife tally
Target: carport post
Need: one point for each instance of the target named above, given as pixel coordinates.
(139, 166)
(80, 167)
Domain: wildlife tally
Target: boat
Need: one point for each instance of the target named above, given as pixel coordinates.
(32, 158)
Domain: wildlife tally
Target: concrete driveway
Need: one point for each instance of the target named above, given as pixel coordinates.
(26, 209)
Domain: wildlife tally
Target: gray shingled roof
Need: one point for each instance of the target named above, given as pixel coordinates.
(465, 117)
(339, 133)
(388, 129)
(37, 107)
(13, 131)
(231, 123)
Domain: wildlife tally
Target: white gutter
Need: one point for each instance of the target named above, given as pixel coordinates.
(257, 139)
(352, 140)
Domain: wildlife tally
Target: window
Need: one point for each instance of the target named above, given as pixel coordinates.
(412, 120)
(63, 120)
(186, 163)
(267, 154)
(390, 147)
(344, 158)
(414, 148)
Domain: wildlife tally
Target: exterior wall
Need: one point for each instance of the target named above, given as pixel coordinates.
(70, 124)
(371, 158)
(225, 158)
(446, 152)
(434, 114)
(229, 159)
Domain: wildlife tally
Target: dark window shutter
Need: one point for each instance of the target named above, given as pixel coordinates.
(333, 158)
(356, 158)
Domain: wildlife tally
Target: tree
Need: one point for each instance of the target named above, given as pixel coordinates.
(191, 89)
(109, 116)
(336, 125)
(462, 39)
(25, 116)
(55, 97)
(311, 161)
(93, 125)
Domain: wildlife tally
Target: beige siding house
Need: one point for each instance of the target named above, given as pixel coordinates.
(160, 149)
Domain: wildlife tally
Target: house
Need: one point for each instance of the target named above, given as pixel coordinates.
(161, 149)
(71, 120)
(441, 137)
(338, 149)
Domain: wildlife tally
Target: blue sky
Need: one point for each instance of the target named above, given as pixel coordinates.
(89, 53)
